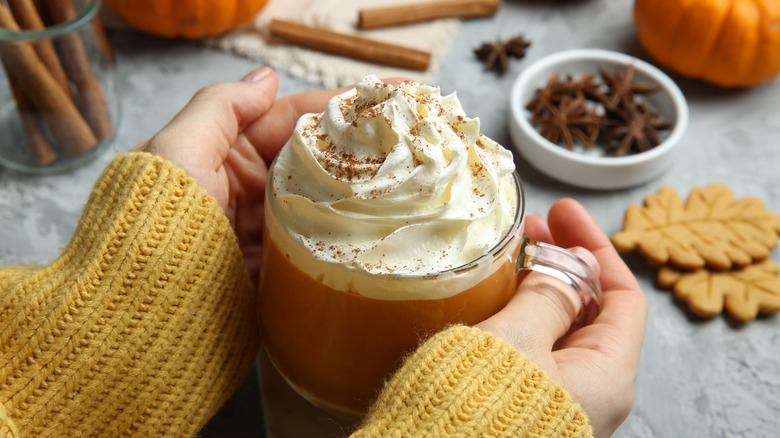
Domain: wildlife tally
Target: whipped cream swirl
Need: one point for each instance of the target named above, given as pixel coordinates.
(393, 179)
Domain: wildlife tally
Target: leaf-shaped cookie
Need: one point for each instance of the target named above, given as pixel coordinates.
(710, 229)
(743, 292)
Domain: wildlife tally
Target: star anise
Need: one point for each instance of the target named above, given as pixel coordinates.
(495, 56)
(588, 86)
(639, 132)
(546, 96)
(589, 111)
(621, 88)
(556, 89)
(569, 122)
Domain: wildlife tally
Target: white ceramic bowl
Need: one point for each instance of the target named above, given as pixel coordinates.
(593, 169)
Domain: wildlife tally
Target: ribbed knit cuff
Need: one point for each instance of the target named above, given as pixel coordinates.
(7, 427)
(464, 379)
(144, 326)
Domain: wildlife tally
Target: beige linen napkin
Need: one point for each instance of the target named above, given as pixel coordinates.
(340, 16)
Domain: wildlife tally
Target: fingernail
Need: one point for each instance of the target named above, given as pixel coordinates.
(257, 74)
(588, 258)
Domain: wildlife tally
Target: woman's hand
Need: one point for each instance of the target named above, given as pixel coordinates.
(597, 363)
(226, 137)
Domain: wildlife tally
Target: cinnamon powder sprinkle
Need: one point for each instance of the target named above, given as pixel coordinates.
(346, 166)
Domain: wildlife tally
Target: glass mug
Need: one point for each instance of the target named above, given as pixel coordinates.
(336, 348)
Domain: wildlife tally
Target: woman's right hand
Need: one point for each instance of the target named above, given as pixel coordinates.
(597, 363)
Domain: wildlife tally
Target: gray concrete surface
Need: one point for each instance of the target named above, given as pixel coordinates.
(698, 378)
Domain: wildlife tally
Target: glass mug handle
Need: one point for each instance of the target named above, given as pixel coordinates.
(566, 266)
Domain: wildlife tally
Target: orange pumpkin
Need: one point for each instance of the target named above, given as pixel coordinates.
(186, 18)
(730, 43)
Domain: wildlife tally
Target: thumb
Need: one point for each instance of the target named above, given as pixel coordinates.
(541, 312)
(214, 117)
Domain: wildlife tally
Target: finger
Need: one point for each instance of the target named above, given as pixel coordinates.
(273, 130)
(571, 225)
(214, 117)
(536, 228)
(588, 258)
(543, 307)
(542, 311)
(623, 306)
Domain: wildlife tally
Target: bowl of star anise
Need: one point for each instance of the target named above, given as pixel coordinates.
(596, 118)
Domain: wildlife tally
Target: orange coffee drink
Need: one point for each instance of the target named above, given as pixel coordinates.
(388, 217)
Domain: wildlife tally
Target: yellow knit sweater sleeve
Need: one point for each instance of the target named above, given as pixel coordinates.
(143, 326)
(464, 382)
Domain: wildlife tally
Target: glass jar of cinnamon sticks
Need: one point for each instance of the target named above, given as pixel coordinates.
(58, 98)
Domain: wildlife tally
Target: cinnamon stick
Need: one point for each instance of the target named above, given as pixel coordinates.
(26, 15)
(351, 46)
(374, 18)
(60, 114)
(43, 152)
(91, 98)
(100, 32)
